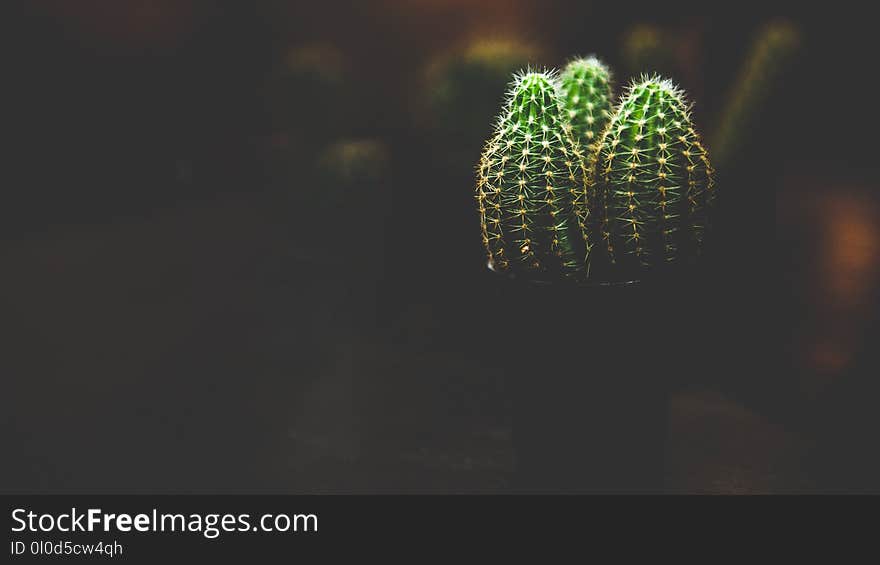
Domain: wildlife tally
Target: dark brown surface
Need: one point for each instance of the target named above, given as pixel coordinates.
(169, 323)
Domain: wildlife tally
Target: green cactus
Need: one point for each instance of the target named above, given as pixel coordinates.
(772, 50)
(586, 92)
(530, 175)
(653, 181)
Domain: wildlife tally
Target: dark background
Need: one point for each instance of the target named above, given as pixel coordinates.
(180, 313)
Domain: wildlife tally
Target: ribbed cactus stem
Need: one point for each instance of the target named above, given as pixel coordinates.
(529, 176)
(585, 85)
(653, 179)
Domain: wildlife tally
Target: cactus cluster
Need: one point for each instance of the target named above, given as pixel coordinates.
(569, 187)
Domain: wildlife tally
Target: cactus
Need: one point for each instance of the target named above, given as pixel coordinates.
(772, 50)
(586, 91)
(654, 182)
(529, 177)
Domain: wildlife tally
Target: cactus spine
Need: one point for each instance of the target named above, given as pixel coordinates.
(653, 180)
(586, 91)
(529, 177)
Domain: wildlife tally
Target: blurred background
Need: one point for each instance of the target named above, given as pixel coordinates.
(240, 251)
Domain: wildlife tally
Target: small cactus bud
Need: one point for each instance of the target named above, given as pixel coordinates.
(586, 91)
(654, 182)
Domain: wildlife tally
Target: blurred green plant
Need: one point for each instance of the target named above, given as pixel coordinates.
(346, 166)
(462, 88)
(337, 205)
(310, 95)
(647, 48)
(771, 52)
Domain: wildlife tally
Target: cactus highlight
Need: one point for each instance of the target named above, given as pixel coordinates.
(654, 182)
(530, 174)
